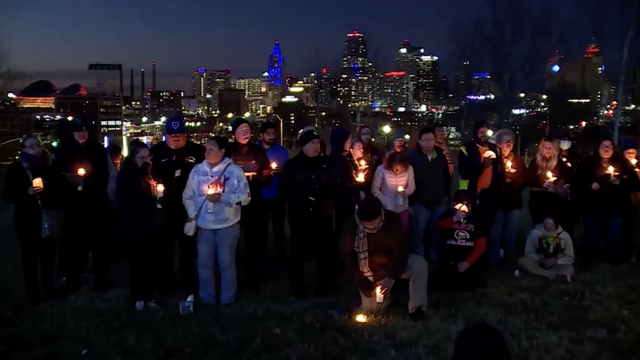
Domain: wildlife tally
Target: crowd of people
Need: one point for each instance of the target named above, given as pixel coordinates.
(371, 216)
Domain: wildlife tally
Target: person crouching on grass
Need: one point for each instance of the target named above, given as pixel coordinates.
(375, 252)
(548, 251)
(461, 246)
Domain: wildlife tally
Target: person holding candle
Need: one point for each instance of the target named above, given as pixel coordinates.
(433, 188)
(549, 180)
(375, 254)
(393, 183)
(606, 181)
(361, 169)
(307, 186)
(86, 165)
(173, 160)
(31, 184)
(140, 219)
(482, 174)
(255, 163)
(399, 144)
(221, 183)
(505, 225)
(461, 246)
(632, 225)
(273, 207)
(372, 154)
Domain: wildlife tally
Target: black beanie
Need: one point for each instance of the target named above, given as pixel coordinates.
(307, 136)
(236, 122)
(477, 126)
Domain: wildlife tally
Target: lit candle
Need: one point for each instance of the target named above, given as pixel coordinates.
(210, 191)
(379, 295)
(550, 176)
(363, 163)
(360, 177)
(159, 193)
(611, 170)
(274, 165)
(37, 183)
(509, 163)
(81, 173)
(634, 161)
(361, 318)
(400, 195)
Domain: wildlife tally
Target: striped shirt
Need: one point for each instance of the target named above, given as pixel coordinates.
(449, 160)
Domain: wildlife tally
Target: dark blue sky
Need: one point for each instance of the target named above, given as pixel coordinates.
(58, 38)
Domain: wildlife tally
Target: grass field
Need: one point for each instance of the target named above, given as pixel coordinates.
(595, 317)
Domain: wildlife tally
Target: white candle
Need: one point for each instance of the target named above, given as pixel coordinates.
(379, 295)
(159, 193)
(37, 183)
(81, 173)
(210, 205)
(400, 197)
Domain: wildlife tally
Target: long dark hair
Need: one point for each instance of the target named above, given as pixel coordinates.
(135, 147)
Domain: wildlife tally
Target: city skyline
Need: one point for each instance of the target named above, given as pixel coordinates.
(76, 38)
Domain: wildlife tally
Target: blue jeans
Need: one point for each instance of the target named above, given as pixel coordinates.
(425, 219)
(218, 246)
(608, 226)
(503, 234)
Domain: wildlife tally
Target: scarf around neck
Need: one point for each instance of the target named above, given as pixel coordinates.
(361, 246)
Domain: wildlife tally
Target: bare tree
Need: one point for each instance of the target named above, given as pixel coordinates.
(514, 40)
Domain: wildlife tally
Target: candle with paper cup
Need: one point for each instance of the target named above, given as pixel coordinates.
(379, 295)
(274, 165)
(37, 183)
(159, 193)
(400, 195)
(81, 173)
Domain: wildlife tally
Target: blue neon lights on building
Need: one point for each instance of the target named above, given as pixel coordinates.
(275, 66)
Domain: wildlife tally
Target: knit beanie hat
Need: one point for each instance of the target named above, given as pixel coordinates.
(307, 136)
(236, 122)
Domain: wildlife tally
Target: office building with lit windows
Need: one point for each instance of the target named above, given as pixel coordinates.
(396, 87)
(355, 55)
(427, 80)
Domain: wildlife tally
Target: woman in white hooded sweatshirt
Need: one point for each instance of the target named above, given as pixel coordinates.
(219, 188)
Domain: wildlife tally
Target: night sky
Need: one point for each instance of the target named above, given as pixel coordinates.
(56, 39)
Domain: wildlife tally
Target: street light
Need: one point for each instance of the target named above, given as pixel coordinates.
(70, 118)
(163, 119)
(247, 114)
(386, 129)
(489, 133)
(407, 137)
(229, 115)
(144, 119)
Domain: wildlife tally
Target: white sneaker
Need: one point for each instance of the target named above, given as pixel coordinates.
(139, 305)
(152, 305)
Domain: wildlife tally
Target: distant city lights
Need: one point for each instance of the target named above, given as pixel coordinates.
(145, 119)
(403, 50)
(402, 109)
(289, 99)
(428, 58)
(163, 119)
(106, 141)
(480, 97)
(296, 89)
(580, 101)
(386, 129)
(11, 95)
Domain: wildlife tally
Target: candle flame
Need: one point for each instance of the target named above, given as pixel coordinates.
(549, 174)
(611, 169)
(400, 189)
(363, 163)
(361, 318)
(634, 161)
(360, 177)
(81, 172)
(210, 191)
(378, 289)
(274, 165)
(160, 188)
(509, 163)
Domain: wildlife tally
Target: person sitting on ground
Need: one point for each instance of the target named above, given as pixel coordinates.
(375, 253)
(480, 341)
(548, 251)
(461, 246)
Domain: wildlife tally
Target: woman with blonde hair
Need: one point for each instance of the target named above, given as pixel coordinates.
(549, 183)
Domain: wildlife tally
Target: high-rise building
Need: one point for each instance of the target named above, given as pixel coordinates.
(427, 80)
(324, 87)
(166, 103)
(253, 91)
(355, 55)
(276, 65)
(199, 83)
(408, 57)
(396, 90)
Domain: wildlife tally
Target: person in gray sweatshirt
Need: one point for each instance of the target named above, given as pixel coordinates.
(548, 252)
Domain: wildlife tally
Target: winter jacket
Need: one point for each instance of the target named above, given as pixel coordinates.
(171, 167)
(514, 184)
(542, 201)
(432, 178)
(235, 194)
(471, 167)
(385, 187)
(137, 202)
(252, 159)
(348, 192)
(531, 249)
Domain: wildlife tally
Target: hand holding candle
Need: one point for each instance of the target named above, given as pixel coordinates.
(400, 195)
(509, 163)
(360, 177)
(81, 173)
(37, 184)
(612, 171)
(551, 177)
(379, 295)
(159, 193)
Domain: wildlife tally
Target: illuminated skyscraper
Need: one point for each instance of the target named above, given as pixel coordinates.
(408, 57)
(427, 80)
(355, 52)
(276, 62)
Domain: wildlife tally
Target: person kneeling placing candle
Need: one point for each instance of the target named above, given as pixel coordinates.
(376, 254)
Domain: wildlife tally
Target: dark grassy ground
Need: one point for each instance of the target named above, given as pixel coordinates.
(595, 317)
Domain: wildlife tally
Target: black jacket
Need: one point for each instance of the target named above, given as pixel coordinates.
(27, 212)
(307, 185)
(93, 157)
(471, 167)
(514, 184)
(171, 167)
(611, 199)
(542, 201)
(252, 158)
(137, 202)
(433, 180)
(348, 192)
